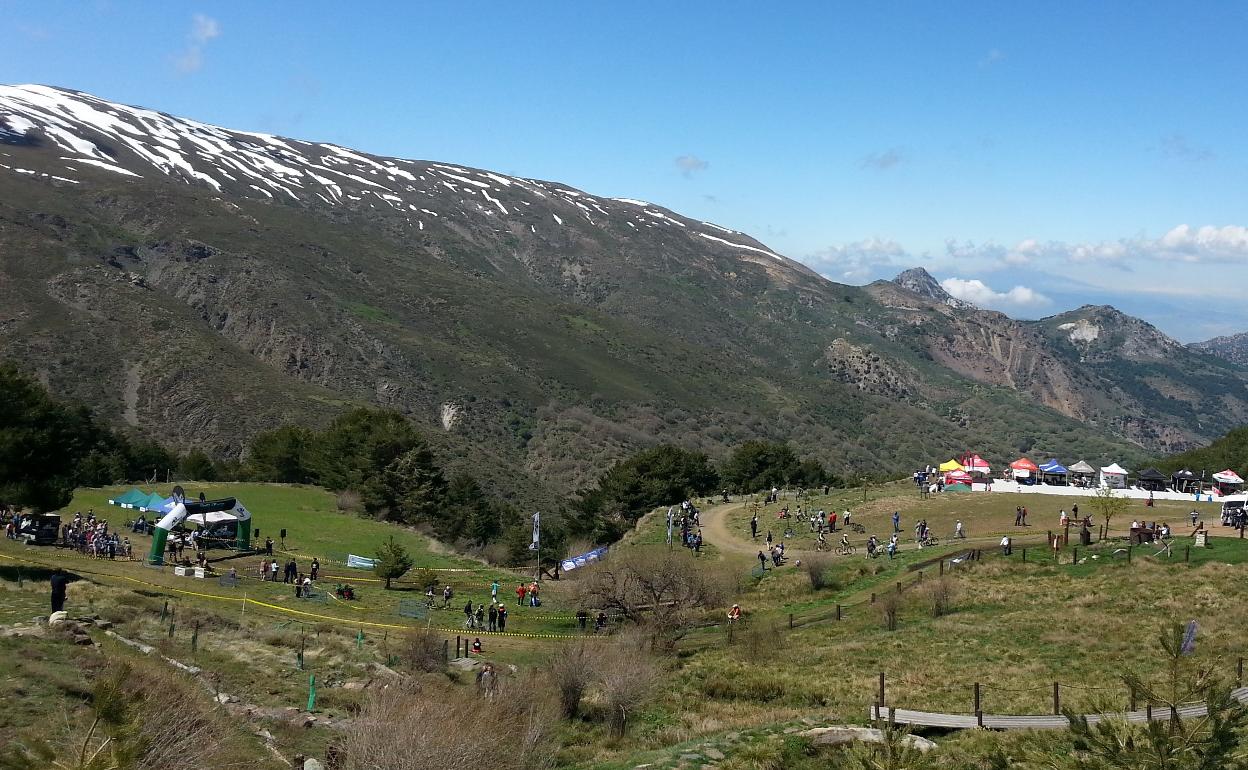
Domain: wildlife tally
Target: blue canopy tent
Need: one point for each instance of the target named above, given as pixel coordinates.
(1053, 472)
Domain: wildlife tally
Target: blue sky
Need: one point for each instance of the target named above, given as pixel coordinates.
(1036, 156)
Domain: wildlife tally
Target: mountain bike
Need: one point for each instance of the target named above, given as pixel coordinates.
(845, 550)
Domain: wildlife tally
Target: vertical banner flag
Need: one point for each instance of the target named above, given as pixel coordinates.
(1189, 639)
(537, 531)
(669, 523)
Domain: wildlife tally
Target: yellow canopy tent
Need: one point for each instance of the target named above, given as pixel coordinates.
(952, 465)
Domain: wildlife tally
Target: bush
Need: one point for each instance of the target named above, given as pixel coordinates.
(746, 685)
(349, 500)
(940, 595)
(889, 604)
(818, 568)
(760, 638)
(572, 671)
(422, 651)
(406, 727)
(626, 680)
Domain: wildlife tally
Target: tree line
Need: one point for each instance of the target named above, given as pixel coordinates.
(378, 461)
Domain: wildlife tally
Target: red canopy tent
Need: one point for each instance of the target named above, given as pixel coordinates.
(1022, 468)
(975, 464)
(957, 477)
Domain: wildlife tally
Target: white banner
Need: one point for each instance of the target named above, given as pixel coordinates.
(359, 562)
(537, 532)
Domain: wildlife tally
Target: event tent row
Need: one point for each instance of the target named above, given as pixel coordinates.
(972, 468)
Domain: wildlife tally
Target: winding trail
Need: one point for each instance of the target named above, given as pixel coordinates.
(717, 532)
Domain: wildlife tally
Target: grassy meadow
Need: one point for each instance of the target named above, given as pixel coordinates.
(1015, 627)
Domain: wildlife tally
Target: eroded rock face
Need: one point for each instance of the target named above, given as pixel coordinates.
(846, 735)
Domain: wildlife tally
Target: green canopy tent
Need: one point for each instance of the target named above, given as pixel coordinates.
(132, 499)
(153, 503)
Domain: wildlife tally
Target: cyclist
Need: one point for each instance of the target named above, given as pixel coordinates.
(821, 543)
(845, 541)
(873, 545)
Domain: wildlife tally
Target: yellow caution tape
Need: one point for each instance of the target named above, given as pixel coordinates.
(346, 621)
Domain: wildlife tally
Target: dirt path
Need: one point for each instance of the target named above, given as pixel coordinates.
(715, 530)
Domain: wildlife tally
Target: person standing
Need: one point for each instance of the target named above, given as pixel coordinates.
(896, 521)
(447, 593)
(468, 614)
(582, 617)
(957, 530)
(762, 561)
(316, 568)
(502, 617)
(1018, 515)
(1005, 545)
(481, 615)
(832, 522)
(754, 527)
(60, 582)
(520, 592)
(493, 616)
(268, 546)
(494, 592)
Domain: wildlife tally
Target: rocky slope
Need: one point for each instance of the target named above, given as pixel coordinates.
(200, 284)
(1233, 347)
(1094, 364)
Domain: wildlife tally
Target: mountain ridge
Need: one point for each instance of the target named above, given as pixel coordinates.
(536, 331)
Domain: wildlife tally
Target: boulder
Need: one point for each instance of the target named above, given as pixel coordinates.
(312, 764)
(57, 618)
(845, 735)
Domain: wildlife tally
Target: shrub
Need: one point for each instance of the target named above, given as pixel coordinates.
(422, 651)
(572, 671)
(819, 569)
(940, 595)
(350, 500)
(406, 727)
(889, 604)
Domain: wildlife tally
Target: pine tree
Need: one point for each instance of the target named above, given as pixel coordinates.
(393, 561)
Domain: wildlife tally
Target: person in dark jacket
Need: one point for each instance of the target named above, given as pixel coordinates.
(60, 581)
(493, 617)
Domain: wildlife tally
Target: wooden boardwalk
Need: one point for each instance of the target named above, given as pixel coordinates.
(1031, 721)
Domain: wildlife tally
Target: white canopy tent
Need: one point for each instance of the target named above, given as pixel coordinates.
(1114, 476)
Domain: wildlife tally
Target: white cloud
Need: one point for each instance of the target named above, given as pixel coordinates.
(691, 164)
(204, 29)
(982, 295)
(883, 161)
(993, 56)
(860, 260)
(1176, 145)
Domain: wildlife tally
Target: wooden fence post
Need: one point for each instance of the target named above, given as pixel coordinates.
(1239, 673)
(1057, 699)
(457, 655)
(873, 598)
(977, 703)
(838, 612)
(446, 650)
(1132, 706)
(892, 717)
(942, 567)
(1187, 554)
(882, 701)
(1075, 556)
(1128, 553)
(790, 620)
(1024, 554)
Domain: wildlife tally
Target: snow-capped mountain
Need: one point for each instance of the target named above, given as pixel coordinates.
(201, 284)
(90, 134)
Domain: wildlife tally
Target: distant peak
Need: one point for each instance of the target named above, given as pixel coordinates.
(921, 282)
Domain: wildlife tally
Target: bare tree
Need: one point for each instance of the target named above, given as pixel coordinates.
(661, 589)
